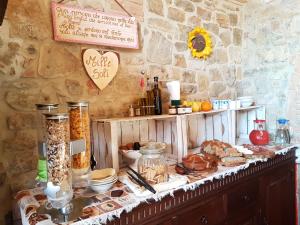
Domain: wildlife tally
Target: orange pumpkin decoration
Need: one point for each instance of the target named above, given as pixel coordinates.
(206, 106)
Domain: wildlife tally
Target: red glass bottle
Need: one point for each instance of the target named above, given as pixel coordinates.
(259, 136)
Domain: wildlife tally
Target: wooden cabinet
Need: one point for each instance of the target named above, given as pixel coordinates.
(263, 194)
(278, 197)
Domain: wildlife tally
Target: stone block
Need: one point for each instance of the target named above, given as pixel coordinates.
(169, 2)
(184, 32)
(226, 38)
(57, 61)
(216, 88)
(223, 20)
(156, 6)
(132, 59)
(233, 18)
(23, 140)
(159, 49)
(215, 74)
(180, 61)
(185, 5)
(237, 36)
(31, 19)
(203, 83)
(74, 87)
(20, 121)
(220, 56)
(188, 77)
(212, 27)
(204, 13)
(22, 100)
(23, 181)
(176, 14)
(195, 21)
(160, 24)
(188, 89)
(181, 46)
(229, 75)
(235, 56)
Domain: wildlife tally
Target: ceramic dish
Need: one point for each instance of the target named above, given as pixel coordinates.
(246, 101)
(103, 187)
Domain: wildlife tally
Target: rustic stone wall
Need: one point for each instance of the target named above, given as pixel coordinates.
(271, 59)
(34, 68)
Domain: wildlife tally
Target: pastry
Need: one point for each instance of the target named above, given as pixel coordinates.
(232, 161)
(200, 162)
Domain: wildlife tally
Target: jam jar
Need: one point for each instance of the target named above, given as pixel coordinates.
(152, 164)
(259, 135)
(80, 129)
(42, 109)
(59, 182)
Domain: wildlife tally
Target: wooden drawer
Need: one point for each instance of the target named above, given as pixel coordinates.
(242, 197)
(211, 212)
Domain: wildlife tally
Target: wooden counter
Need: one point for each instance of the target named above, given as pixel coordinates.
(263, 194)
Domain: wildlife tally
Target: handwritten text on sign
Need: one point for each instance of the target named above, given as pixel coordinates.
(89, 26)
(101, 68)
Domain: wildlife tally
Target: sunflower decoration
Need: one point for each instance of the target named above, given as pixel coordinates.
(200, 43)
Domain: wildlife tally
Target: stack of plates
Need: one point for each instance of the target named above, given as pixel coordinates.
(102, 180)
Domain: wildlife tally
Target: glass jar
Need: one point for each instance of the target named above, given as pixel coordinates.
(41, 135)
(152, 164)
(80, 129)
(59, 183)
(259, 135)
(282, 136)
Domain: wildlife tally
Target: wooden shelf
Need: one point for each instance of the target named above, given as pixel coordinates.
(248, 108)
(135, 118)
(155, 117)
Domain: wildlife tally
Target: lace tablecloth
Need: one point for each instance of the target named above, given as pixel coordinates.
(94, 208)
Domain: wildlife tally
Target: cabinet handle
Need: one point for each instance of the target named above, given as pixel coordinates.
(246, 198)
(203, 220)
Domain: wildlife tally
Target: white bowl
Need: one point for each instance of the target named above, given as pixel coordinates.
(132, 157)
(103, 187)
(246, 101)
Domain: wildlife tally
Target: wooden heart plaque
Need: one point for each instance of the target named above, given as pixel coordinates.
(101, 68)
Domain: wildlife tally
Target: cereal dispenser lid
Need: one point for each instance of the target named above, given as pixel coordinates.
(79, 103)
(56, 116)
(46, 106)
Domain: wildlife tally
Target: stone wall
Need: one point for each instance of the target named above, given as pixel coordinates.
(271, 59)
(34, 68)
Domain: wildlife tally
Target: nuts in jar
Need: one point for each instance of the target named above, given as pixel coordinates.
(58, 148)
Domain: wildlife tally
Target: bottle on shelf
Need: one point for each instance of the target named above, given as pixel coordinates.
(149, 102)
(157, 98)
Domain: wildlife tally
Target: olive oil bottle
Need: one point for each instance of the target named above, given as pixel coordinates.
(157, 98)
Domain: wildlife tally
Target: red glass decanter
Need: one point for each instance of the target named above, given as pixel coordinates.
(259, 136)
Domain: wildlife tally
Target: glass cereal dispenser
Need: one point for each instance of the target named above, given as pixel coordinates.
(80, 130)
(41, 134)
(59, 183)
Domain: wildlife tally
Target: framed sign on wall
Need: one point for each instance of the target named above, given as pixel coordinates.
(88, 26)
